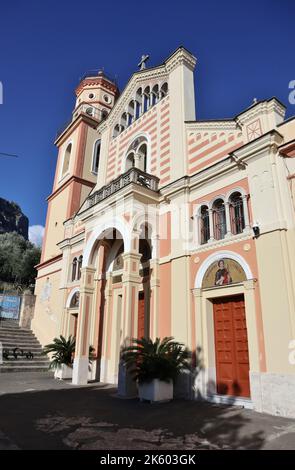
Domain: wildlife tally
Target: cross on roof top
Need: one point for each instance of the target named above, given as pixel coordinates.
(142, 63)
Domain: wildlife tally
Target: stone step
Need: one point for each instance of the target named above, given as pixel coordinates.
(8, 322)
(18, 337)
(35, 347)
(11, 337)
(13, 331)
(20, 341)
(25, 334)
(36, 357)
(25, 362)
(28, 368)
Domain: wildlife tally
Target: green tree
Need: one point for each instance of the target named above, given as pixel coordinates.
(17, 259)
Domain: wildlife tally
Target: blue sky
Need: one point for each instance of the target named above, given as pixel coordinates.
(244, 50)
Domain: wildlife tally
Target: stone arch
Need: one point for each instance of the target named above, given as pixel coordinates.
(71, 295)
(216, 257)
(236, 189)
(139, 220)
(100, 232)
(142, 138)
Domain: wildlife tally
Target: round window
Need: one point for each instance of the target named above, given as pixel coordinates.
(107, 98)
(91, 95)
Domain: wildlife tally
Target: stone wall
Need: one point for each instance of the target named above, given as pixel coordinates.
(27, 309)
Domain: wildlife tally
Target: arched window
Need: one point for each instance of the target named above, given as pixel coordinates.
(164, 90)
(236, 212)
(80, 261)
(146, 99)
(130, 162)
(116, 130)
(124, 121)
(142, 153)
(204, 225)
(66, 160)
(104, 114)
(219, 219)
(137, 154)
(74, 269)
(139, 103)
(155, 94)
(96, 156)
(75, 300)
(131, 112)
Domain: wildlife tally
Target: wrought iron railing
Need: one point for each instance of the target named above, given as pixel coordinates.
(134, 175)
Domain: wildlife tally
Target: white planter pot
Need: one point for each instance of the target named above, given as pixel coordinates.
(63, 372)
(156, 390)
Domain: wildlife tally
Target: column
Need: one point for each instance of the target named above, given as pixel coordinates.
(154, 300)
(246, 213)
(211, 225)
(227, 219)
(107, 340)
(137, 160)
(130, 281)
(200, 381)
(81, 361)
(253, 336)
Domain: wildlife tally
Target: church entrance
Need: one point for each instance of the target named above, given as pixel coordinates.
(141, 317)
(231, 346)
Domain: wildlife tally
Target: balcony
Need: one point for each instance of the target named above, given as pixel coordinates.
(134, 175)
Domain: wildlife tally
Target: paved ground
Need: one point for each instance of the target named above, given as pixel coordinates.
(57, 415)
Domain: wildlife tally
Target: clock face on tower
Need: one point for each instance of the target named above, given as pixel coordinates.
(254, 130)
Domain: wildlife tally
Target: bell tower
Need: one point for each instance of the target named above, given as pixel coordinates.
(78, 159)
(96, 94)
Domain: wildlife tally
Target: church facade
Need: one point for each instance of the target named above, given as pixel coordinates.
(160, 224)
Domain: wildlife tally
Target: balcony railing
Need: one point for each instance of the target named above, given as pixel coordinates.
(134, 175)
(86, 109)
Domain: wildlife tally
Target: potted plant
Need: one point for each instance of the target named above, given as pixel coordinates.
(62, 351)
(155, 365)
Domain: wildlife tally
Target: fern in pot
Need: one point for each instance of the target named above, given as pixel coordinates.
(62, 355)
(155, 365)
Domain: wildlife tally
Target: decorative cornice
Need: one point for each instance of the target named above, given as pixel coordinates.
(92, 122)
(180, 57)
(226, 125)
(264, 107)
(96, 81)
(48, 262)
(221, 243)
(72, 179)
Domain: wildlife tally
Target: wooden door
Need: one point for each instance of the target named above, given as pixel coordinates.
(140, 325)
(231, 347)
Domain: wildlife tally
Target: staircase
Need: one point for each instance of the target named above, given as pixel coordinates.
(11, 337)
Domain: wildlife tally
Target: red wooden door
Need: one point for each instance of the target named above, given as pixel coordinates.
(231, 347)
(140, 325)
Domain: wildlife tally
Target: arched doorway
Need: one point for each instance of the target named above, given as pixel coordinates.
(225, 312)
(106, 335)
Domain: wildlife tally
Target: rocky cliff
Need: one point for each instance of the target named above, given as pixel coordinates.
(12, 219)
